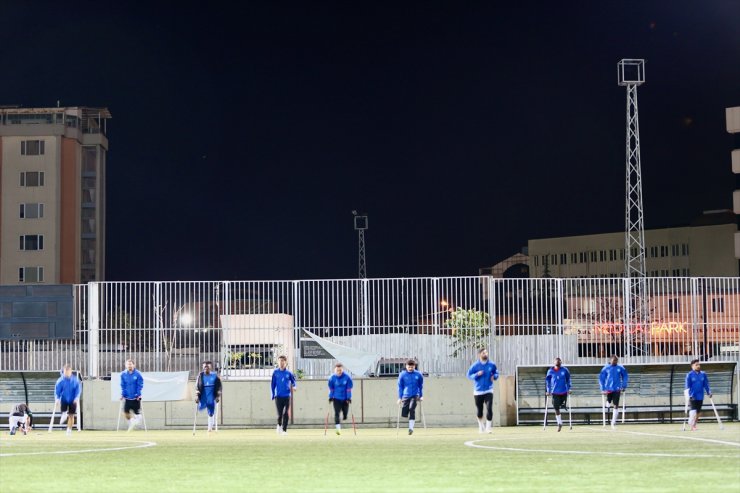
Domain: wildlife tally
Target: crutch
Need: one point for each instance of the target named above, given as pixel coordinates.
(624, 404)
(603, 410)
(354, 425)
(195, 415)
(120, 411)
(53, 412)
(423, 418)
(215, 417)
(544, 422)
(326, 421)
(143, 416)
(716, 414)
(398, 419)
(570, 414)
(685, 409)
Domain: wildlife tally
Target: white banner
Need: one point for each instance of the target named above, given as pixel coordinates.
(158, 386)
(356, 361)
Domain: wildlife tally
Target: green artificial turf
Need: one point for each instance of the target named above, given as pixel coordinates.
(644, 458)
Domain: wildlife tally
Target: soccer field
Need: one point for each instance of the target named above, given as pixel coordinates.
(645, 458)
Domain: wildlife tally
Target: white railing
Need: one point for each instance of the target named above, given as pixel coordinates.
(243, 325)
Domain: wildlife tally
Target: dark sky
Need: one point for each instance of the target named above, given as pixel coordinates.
(243, 135)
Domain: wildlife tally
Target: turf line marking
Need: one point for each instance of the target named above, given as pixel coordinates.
(84, 451)
(472, 443)
(677, 437)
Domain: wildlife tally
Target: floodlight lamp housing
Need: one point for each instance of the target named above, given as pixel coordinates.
(360, 222)
(631, 71)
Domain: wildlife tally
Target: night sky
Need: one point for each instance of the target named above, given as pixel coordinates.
(243, 135)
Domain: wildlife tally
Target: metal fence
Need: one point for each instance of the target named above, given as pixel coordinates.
(244, 325)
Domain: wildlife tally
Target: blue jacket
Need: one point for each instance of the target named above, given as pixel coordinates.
(410, 384)
(282, 381)
(697, 383)
(483, 384)
(131, 384)
(557, 382)
(68, 389)
(613, 378)
(340, 388)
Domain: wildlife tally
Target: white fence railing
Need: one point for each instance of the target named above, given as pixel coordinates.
(243, 325)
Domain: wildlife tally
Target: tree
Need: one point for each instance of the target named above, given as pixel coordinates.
(470, 330)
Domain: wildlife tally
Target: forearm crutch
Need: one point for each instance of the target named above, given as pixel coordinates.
(141, 412)
(570, 414)
(354, 425)
(716, 414)
(423, 418)
(398, 418)
(544, 421)
(53, 413)
(326, 420)
(624, 404)
(195, 415)
(685, 410)
(120, 411)
(603, 410)
(215, 417)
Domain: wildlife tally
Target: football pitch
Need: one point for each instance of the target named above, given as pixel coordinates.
(645, 458)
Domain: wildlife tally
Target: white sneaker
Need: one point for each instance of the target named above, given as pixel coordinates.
(278, 430)
(614, 427)
(489, 430)
(69, 432)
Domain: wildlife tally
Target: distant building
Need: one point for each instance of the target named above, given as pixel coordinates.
(516, 266)
(52, 194)
(702, 249)
(732, 118)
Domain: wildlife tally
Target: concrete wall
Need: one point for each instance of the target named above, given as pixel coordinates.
(247, 404)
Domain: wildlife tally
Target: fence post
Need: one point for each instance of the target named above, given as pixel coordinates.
(559, 311)
(158, 326)
(93, 328)
(296, 317)
(365, 308)
(223, 350)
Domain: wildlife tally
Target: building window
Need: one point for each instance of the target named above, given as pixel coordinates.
(685, 249)
(31, 274)
(573, 258)
(584, 257)
(536, 260)
(32, 148)
(563, 259)
(593, 256)
(653, 251)
(673, 305)
(664, 272)
(553, 260)
(602, 256)
(621, 254)
(32, 242)
(32, 178)
(676, 272)
(31, 211)
(663, 251)
(674, 250)
(718, 305)
(612, 255)
(685, 272)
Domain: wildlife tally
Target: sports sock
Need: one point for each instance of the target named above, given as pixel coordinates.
(615, 413)
(338, 426)
(411, 424)
(480, 423)
(489, 424)
(692, 417)
(559, 419)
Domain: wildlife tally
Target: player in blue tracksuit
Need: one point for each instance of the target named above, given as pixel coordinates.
(282, 387)
(557, 384)
(208, 392)
(696, 384)
(340, 393)
(613, 381)
(132, 383)
(410, 392)
(67, 392)
(483, 372)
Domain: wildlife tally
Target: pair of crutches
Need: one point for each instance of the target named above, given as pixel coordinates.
(61, 416)
(215, 416)
(352, 415)
(421, 410)
(603, 408)
(686, 413)
(120, 412)
(570, 414)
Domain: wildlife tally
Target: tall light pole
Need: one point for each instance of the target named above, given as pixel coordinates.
(630, 74)
(360, 227)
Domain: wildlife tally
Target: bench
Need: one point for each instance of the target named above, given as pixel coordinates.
(655, 393)
(36, 389)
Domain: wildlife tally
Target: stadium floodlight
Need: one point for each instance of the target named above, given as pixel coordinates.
(186, 319)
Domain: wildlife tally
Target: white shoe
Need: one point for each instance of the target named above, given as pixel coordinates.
(614, 427)
(69, 432)
(489, 430)
(279, 430)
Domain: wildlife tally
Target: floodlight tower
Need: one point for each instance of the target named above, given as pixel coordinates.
(631, 73)
(360, 227)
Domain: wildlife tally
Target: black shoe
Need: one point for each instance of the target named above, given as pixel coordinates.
(560, 427)
(345, 418)
(411, 432)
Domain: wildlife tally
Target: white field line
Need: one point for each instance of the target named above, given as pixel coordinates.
(474, 444)
(677, 437)
(84, 451)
